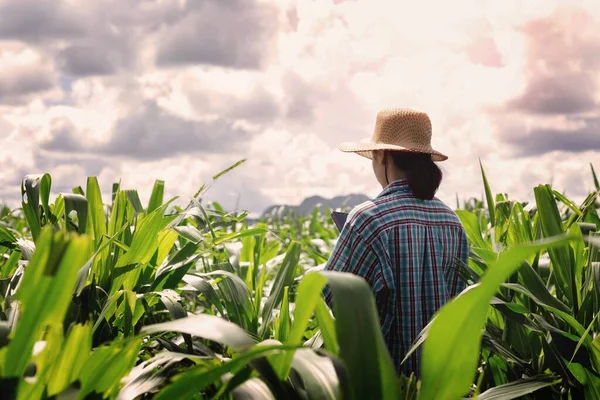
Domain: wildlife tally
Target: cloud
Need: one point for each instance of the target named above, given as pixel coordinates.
(151, 133)
(22, 74)
(88, 59)
(39, 20)
(64, 137)
(541, 141)
(558, 109)
(154, 133)
(562, 64)
(258, 106)
(485, 52)
(91, 166)
(179, 90)
(235, 34)
(89, 38)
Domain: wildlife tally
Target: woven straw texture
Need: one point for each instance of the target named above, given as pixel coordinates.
(399, 129)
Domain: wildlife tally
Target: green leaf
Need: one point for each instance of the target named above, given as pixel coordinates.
(541, 299)
(567, 202)
(10, 265)
(282, 323)
(51, 273)
(170, 273)
(318, 375)
(75, 351)
(83, 272)
(228, 169)
(134, 199)
(596, 183)
(473, 229)
(150, 374)
(327, 326)
(208, 327)
(79, 204)
(584, 337)
(562, 256)
(96, 210)
(239, 235)
(143, 246)
(253, 389)
(488, 196)
(235, 294)
(371, 373)
(285, 277)
(30, 193)
(518, 388)
(104, 369)
(451, 348)
(6, 237)
(197, 378)
(308, 295)
(157, 196)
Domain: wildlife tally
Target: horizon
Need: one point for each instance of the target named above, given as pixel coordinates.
(131, 92)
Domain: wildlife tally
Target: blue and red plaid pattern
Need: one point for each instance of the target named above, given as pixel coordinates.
(406, 249)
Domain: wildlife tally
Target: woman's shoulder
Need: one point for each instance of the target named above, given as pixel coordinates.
(362, 214)
(362, 209)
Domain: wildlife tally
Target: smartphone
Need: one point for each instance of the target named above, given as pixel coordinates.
(339, 218)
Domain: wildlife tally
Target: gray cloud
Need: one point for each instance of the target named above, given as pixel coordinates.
(260, 107)
(87, 38)
(563, 58)
(564, 93)
(63, 137)
(92, 166)
(17, 85)
(302, 98)
(38, 20)
(236, 34)
(114, 36)
(541, 141)
(152, 133)
(88, 59)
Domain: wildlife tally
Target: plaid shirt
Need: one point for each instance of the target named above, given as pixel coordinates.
(406, 249)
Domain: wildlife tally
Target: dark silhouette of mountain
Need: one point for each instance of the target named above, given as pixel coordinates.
(308, 205)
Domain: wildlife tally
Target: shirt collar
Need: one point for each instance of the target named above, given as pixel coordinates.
(401, 185)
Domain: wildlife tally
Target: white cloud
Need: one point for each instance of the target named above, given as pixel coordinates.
(317, 77)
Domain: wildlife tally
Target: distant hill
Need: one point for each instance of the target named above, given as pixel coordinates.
(309, 204)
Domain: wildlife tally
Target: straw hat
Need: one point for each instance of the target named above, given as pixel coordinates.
(400, 129)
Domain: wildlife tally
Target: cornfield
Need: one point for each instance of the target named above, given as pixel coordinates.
(124, 300)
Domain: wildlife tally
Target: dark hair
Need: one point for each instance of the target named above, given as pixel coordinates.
(423, 175)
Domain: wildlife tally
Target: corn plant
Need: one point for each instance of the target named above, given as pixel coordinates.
(127, 301)
(528, 323)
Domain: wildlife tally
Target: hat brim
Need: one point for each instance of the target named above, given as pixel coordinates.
(366, 149)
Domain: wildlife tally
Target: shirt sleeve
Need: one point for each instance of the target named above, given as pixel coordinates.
(354, 255)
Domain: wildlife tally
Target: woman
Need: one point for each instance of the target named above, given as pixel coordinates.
(405, 243)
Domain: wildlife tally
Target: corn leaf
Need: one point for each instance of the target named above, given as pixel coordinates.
(75, 352)
(596, 183)
(519, 388)
(157, 196)
(285, 277)
(51, 273)
(453, 339)
(488, 196)
(561, 256)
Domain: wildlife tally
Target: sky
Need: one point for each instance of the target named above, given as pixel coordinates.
(139, 90)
